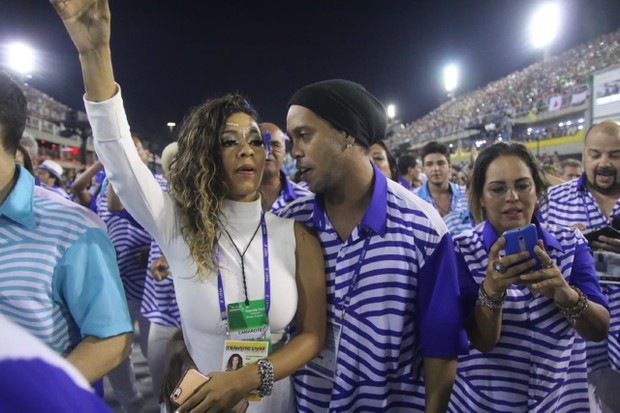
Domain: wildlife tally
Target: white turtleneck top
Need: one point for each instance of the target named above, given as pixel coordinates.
(198, 302)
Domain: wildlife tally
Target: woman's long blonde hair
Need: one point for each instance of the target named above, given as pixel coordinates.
(197, 177)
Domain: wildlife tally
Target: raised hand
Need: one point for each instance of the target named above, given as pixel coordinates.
(87, 21)
(88, 24)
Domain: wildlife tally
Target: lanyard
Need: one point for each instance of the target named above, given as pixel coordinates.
(346, 299)
(585, 207)
(220, 284)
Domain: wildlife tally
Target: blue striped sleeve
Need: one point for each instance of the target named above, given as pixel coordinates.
(439, 313)
(467, 285)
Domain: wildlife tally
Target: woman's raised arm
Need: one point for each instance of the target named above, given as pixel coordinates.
(88, 25)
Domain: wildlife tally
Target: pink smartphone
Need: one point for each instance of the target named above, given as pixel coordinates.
(191, 380)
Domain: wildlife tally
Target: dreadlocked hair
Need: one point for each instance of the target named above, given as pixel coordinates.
(197, 177)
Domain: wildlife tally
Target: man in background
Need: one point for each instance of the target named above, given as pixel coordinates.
(590, 202)
(277, 191)
(449, 199)
(570, 169)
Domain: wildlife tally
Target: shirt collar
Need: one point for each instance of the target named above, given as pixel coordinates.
(404, 182)
(287, 191)
(490, 237)
(582, 182)
(375, 216)
(424, 192)
(18, 206)
(455, 189)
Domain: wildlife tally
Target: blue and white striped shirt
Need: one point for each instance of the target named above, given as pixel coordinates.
(57, 189)
(59, 278)
(159, 303)
(131, 242)
(290, 191)
(539, 362)
(404, 307)
(459, 219)
(572, 203)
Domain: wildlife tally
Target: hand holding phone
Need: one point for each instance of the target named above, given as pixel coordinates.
(607, 231)
(522, 239)
(189, 383)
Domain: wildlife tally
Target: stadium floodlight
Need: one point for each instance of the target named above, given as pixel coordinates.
(544, 25)
(171, 126)
(450, 78)
(21, 58)
(391, 111)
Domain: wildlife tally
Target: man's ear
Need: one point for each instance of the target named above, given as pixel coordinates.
(349, 141)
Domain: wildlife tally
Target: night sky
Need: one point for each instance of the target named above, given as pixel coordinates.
(172, 55)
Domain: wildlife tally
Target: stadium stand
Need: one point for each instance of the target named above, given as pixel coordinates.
(545, 100)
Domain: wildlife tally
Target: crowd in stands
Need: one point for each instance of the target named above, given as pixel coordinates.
(45, 114)
(524, 92)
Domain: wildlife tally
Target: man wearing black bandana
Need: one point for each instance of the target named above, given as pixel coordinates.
(394, 321)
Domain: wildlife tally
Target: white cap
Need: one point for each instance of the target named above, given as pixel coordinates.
(53, 167)
(167, 156)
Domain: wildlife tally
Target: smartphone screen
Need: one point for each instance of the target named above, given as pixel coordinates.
(522, 239)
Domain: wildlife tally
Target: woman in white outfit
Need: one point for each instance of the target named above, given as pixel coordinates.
(230, 260)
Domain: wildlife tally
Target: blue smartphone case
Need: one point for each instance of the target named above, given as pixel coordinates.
(522, 239)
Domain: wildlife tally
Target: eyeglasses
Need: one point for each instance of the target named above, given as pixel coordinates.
(498, 190)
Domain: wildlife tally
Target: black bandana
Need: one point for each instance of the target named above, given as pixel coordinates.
(347, 106)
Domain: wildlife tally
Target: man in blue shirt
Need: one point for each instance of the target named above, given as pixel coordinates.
(449, 199)
(408, 171)
(394, 321)
(59, 279)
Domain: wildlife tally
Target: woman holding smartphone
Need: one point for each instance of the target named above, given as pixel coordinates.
(241, 276)
(527, 327)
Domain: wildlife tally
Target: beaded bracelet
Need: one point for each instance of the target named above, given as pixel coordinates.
(486, 300)
(575, 311)
(267, 377)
